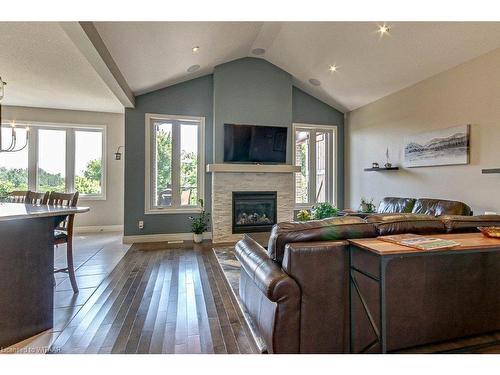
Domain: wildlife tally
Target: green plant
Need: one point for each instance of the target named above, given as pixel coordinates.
(303, 215)
(199, 224)
(324, 210)
(367, 206)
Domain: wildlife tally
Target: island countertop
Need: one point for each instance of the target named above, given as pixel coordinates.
(16, 211)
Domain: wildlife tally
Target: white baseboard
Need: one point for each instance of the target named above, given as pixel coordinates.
(163, 237)
(99, 228)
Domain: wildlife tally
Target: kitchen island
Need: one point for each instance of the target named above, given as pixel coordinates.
(26, 268)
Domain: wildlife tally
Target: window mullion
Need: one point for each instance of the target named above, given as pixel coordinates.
(328, 167)
(70, 160)
(332, 160)
(153, 167)
(176, 163)
(33, 159)
(200, 173)
(312, 167)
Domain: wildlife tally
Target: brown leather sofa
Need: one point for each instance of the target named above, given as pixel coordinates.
(296, 291)
(427, 206)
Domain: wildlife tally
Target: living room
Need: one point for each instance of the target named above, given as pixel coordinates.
(249, 186)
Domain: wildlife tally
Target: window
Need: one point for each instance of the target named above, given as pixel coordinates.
(13, 166)
(51, 160)
(88, 162)
(314, 152)
(57, 158)
(174, 163)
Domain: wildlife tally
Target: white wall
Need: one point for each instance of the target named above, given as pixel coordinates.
(466, 94)
(102, 212)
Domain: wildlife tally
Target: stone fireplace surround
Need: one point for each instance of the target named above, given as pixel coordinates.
(227, 178)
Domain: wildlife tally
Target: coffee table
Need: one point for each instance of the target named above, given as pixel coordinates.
(402, 297)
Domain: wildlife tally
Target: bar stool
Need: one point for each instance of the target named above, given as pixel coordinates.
(34, 197)
(64, 232)
(18, 196)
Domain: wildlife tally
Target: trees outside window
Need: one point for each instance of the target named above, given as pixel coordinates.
(314, 152)
(13, 166)
(66, 159)
(174, 163)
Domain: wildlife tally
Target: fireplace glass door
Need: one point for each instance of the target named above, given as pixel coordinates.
(254, 211)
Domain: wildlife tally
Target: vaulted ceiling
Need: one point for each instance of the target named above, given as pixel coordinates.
(155, 54)
(45, 66)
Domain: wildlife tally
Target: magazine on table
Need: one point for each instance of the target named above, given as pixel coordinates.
(420, 242)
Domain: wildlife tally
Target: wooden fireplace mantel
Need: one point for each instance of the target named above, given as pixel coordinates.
(252, 168)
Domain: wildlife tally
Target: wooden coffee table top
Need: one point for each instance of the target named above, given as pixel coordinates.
(468, 241)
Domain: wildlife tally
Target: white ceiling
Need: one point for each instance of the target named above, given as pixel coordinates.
(43, 68)
(152, 55)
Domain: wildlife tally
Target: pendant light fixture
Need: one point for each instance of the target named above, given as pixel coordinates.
(13, 147)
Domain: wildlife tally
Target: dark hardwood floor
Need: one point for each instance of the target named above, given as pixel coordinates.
(160, 299)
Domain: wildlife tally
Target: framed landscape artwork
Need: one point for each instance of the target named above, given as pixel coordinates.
(448, 146)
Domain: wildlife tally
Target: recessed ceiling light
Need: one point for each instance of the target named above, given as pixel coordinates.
(195, 49)
(258, 51)
(333, 68)
(314, 82)
(193, 68)
(383, 29)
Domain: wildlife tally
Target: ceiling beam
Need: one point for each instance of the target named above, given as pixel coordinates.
(86, 38)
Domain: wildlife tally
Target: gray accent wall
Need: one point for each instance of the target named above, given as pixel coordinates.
(191, 98)
(309, 110)
(251, 91)
(245, 91)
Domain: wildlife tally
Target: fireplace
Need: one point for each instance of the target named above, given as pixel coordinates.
(253, 211)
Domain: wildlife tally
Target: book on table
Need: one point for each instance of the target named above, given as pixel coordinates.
(420, 242)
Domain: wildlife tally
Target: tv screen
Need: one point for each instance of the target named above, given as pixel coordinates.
(254, 144)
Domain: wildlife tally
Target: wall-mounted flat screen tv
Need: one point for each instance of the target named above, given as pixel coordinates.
(254, 144)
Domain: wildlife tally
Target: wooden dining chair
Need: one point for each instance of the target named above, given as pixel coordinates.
(34, 197)
(64, 232)
(18, 196)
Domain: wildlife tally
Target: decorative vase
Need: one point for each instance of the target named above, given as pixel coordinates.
(197, 238)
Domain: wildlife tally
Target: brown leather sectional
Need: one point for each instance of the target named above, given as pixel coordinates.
(427, 206)
(297, 291)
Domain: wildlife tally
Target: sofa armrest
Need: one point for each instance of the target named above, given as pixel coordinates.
(321, 269)
(267, 275)
(270, 296)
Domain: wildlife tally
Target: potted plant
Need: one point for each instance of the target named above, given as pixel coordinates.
(199, 224)
(367, 206)
(323, 210)
(304, 215)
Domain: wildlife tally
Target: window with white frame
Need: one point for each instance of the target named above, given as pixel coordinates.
(315, 153)
(174, 163)
(62, 158)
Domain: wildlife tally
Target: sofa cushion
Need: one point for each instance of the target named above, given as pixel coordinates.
(439, 207)
(331, 229)
(464, 224)
(389, 224)
(393, 205)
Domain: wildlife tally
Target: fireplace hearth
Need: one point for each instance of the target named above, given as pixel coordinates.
(254, 211)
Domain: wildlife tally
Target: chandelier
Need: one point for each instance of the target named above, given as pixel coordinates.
(13, 147)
